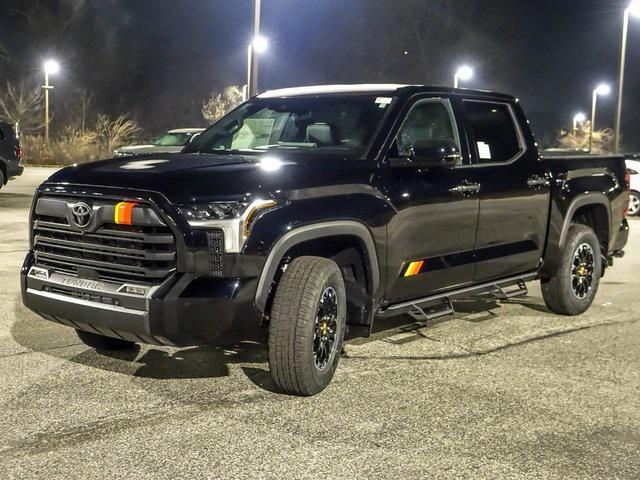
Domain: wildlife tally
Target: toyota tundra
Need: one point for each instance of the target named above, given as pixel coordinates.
(307, 212)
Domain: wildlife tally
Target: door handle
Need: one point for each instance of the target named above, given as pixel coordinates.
(538, 182)
(466, 188)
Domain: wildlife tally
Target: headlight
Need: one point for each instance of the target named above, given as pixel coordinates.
(233, 218)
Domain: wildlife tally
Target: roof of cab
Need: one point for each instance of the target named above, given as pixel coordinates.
(380, 88)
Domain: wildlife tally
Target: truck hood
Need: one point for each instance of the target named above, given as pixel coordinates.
(185, 178)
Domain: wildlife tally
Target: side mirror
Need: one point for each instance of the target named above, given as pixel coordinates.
(429, 154)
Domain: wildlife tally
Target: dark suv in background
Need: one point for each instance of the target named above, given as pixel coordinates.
(11, 154)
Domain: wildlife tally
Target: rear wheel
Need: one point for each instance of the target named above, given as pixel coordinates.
(572, 289)
(634, 204)
(100, 342)
(307, 325)
(2, 178)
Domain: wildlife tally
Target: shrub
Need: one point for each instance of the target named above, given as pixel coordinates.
(75, 145)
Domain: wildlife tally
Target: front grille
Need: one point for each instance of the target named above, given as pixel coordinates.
(121, 253)
(215, 243)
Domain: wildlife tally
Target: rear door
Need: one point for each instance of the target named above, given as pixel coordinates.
(431, 236)
(514, 191)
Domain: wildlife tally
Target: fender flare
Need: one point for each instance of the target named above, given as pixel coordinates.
(556, 245)
(579, 202)
(313, 232)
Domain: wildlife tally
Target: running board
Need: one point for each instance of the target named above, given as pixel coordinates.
(499, 288)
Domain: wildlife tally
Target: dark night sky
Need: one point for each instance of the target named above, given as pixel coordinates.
(564, 49)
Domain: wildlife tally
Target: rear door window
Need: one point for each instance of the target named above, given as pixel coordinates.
(496, 136)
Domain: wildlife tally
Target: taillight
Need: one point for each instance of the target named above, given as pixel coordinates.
(19, 152)
(627, 179)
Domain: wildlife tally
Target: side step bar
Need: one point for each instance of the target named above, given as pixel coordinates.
(440, 304)
(436, 311)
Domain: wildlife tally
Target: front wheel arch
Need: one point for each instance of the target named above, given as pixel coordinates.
(317, 231)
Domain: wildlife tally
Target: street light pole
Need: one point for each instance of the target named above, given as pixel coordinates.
(633, 9)
(51, 67)
(602, 89)
(623, 60)
(593, 118)
(46, 88)
(247, 91)
(252, 85)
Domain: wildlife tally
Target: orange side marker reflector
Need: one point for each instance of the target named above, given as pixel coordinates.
(123, 213)
(414, 268)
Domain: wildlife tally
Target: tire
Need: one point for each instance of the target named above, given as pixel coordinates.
(634, 204)
(309, 286)
(2, 178)
(565, 294)
(100, 342)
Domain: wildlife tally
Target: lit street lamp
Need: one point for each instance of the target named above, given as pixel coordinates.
(601, 90)
(633, 9)
(578, 118)
(464, 73)
(51, 67)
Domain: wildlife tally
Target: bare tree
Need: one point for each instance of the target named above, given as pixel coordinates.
(114, 133)
(218, 104)
(579, 139)
(22, 104)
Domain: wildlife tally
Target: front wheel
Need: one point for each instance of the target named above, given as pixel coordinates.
(307, 325)
(572, 289)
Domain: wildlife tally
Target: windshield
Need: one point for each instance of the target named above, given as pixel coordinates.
(172, 139)
(342, 125)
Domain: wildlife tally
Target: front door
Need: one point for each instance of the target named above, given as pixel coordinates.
(431, 236)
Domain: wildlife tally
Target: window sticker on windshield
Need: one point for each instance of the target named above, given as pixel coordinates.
(383, 102)
(484, 150)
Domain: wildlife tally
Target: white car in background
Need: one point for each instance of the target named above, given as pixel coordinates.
(634, 196)
(171, 142)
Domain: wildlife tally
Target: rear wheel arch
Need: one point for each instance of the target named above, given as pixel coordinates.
(346, 242)
(591, 209)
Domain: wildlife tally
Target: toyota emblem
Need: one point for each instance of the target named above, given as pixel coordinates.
(81, 214)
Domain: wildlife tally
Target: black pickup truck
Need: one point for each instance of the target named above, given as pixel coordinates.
(11, 154)
(312, 211)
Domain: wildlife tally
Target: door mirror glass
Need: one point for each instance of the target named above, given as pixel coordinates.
(428, 154)
(433, 153)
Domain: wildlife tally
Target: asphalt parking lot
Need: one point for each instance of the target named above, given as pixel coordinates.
(500, 390)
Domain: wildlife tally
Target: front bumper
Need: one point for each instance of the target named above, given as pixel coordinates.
(185, 310)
